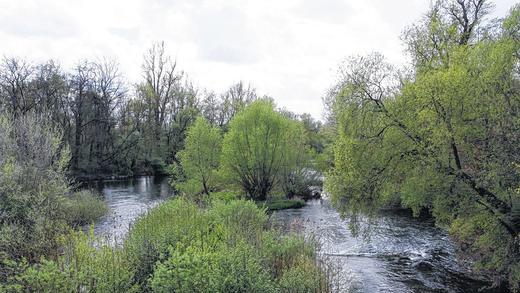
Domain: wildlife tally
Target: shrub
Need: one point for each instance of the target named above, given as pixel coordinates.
(153, 234)
(43, 277)
(231, 249)
(303, 277)
(86, 265)
(225, 196)
(32, 189)
(242, 218)
(240, 269)
(281, 252)
(178, 247)
(198, 269)
(189, 270)
(84, 207)
(282, 204)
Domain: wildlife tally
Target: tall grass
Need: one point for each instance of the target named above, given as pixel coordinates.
(84, 207)
(179, 247)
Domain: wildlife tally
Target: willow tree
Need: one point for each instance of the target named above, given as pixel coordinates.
(258, 147)
(445, 140)
(200, 157)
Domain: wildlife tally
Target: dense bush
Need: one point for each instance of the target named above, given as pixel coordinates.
(179, 247)
(35, 207)
(85, 265)
(152, 235)
(282, 204)
(198, 269)
(225, 248)
(84, 207)
(32, 190)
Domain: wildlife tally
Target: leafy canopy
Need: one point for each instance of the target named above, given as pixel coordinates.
(260, 144)
(200, 157)
(441, 138)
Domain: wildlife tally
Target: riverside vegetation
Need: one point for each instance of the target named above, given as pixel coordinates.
(439, 138)
(208, 240)
(442, 137)
(215, 243)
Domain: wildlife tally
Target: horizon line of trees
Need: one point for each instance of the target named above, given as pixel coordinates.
(112, 127)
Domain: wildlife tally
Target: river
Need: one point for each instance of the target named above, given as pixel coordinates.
(402, 254)
(126, 201)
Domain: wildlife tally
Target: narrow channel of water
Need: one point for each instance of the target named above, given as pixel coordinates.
(127, 200)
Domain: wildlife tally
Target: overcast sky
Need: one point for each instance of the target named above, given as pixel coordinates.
(288, 49)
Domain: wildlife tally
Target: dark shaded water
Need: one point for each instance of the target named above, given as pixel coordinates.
(403, 254)
(127, 200)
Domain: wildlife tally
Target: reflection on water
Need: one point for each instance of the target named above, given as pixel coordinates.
(403, 254)
(127, 200)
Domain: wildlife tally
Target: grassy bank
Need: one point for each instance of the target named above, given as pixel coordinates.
(282, 204)
(179, 247)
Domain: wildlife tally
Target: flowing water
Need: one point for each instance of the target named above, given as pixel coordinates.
(127, 200)
(403, 254)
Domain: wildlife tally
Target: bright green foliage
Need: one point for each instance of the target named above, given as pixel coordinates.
(85, 265)
(282, 204)
(151, 235)
(188, 270)
(445, 140)
(178, 247)
(227, 248)
(260, 144)
(200, 158)
(199, 270)
(302, 278)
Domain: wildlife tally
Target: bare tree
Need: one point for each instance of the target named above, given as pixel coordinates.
(467, 14)
(15, 77)
(236, 98)
(159, 87)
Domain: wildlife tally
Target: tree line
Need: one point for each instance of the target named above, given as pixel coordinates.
(110, 126)
(439, 137)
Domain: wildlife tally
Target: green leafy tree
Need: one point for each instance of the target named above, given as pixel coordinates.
(200, 157)
(257, 148)
(445, 139)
